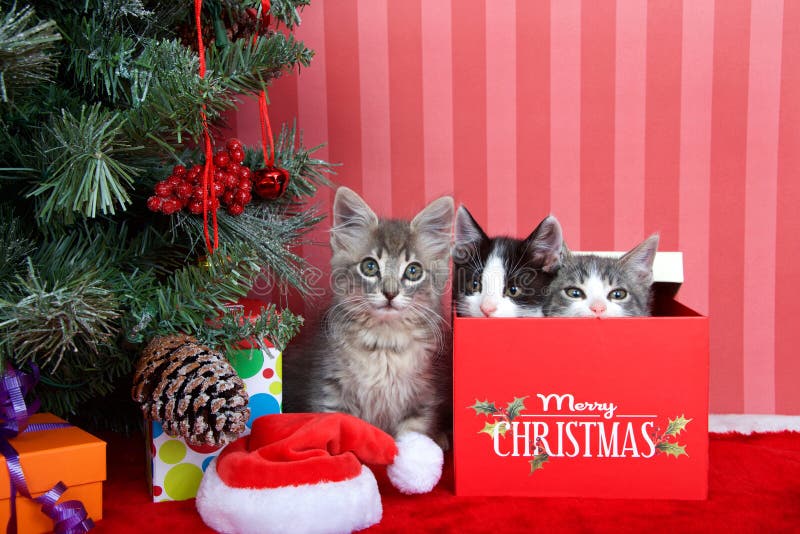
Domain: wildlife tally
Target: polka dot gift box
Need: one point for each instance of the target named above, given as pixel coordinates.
(176, 466)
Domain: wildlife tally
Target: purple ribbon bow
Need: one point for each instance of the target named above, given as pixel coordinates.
(70, 516)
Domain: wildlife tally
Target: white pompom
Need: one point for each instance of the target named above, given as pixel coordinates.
(417, 467)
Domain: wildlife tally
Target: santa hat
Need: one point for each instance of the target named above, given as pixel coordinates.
(305, 473)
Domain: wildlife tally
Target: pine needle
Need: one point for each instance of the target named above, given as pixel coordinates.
(26, 47)
(85, 175)
(49, 320)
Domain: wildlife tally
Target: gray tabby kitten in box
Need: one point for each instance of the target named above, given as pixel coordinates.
(380, 354)
(588, 285)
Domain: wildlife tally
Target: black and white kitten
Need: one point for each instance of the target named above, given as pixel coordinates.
(381, 353)
(503, 276)
(588, 285)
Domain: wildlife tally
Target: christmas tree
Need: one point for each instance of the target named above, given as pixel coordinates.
(104, 112)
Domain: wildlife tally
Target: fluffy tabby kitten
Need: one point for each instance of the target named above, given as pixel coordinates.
(380, 353)
(502, 276)
(594, 286)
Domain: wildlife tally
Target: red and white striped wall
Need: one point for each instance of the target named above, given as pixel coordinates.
(621, 117)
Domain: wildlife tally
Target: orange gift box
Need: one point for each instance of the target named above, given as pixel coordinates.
(584, 407)
(69, 455)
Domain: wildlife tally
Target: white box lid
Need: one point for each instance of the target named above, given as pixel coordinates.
(667, 266)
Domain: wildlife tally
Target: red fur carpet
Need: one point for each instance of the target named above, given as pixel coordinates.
(754, 486)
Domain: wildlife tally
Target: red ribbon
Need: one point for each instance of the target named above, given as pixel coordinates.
(263, 112)
(267, 141)
(208, 171)
(266, 130)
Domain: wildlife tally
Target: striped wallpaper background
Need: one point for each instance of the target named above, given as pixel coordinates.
(620, 117)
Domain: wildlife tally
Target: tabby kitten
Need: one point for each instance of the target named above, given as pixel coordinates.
(502, 276)
(380, 354)
(594, 286)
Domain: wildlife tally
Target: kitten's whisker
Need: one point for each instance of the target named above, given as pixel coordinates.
(340, 313)
(513, 269)
(432, 320)
(476, 263)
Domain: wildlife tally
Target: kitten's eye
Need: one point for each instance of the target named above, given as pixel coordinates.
(512, 291)
(575, 293)
(370, 267)
(617, 294)
(476, 286)
(413, 272)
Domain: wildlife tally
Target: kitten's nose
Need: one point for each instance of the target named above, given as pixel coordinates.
(390, 294)
(488, 308)
(598, 308)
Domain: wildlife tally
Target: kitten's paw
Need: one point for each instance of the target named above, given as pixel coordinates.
(422, 426)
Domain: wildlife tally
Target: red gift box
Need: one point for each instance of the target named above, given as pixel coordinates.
(579, 407)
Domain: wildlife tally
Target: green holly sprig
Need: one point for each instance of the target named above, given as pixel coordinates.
(499, 415)
(507, 415)
(665, 442)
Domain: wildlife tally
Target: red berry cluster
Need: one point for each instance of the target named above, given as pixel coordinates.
(183, 189)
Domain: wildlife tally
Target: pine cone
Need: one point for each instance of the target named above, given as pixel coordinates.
(191, 390)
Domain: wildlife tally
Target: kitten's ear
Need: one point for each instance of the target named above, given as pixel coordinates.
(434, 226)
(468, 231)
(566, 254)
(468, 236)
(639, 260)
(546, 244)
(352, 220)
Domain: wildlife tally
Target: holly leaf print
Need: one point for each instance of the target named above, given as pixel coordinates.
(672, 449)
(538, 461)
(484, 407)
(515, 407)
(489, 428)
(676, 425)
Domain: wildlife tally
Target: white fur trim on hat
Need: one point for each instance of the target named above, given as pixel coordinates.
(323, 508)
(417, 467)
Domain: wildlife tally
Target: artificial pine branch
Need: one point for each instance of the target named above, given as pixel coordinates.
(85, 174)
(120, 12)
(87, 273)
(270, 235)
(288, 11)
(63, 314)
(245, 67)
(21, 128)
(48, 320)
(167, 96)
(234, 325)
(308, 172)
(98, 248)
(15, 245)
(101, 62)
(26, 47)
(189, 297)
